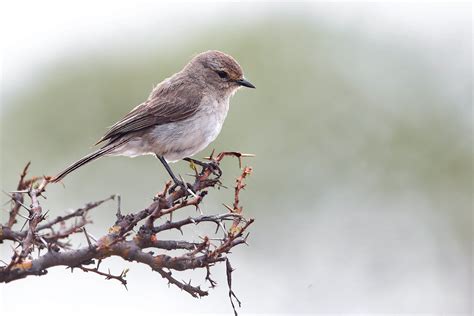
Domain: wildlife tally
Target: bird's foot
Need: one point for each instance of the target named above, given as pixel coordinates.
(211, 165)
(214, 167)
(185, 187)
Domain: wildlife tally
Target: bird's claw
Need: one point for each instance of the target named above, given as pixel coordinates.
(214, 167)
(185, 187)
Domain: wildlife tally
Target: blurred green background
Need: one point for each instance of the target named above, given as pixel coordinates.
(362, 185)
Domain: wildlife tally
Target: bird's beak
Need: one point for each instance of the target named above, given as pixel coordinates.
(245, 83)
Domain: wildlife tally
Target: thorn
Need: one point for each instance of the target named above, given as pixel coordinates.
(23, 216)
(228, 207)
(245, 238)
(199, 209)
(24, 224)
(92, 237)
(43, 241)
(19, 191)
(43, 216)
(19, 202)
(211, 157)
(223, 228)
(87, 237)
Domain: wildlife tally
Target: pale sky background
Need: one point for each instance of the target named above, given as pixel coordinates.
(56, 28)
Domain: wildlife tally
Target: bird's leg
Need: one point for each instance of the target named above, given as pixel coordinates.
(212, 165)
(186, 189)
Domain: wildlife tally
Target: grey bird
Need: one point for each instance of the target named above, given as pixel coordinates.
(182, 115)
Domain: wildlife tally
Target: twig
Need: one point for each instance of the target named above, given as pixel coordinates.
(232, 295)
(108, 276)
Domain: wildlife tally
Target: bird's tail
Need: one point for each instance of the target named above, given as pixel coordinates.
(92, 156)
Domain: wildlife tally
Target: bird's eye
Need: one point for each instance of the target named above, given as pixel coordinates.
(222, 74)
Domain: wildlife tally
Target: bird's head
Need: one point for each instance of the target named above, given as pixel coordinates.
(218, 71)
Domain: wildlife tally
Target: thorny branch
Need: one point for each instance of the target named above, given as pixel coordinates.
(51, 236)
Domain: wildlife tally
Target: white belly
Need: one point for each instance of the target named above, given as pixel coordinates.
(194, 135)
(177, 140)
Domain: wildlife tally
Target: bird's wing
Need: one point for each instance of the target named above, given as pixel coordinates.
(169, 102)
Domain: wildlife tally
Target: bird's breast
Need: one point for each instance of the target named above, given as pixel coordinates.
(213, 117)
(185, 138)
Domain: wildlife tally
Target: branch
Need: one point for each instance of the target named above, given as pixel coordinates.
(123, 239)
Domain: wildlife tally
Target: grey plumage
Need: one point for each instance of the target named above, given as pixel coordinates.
(182, 115)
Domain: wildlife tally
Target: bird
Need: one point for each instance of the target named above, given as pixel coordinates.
(182, 115)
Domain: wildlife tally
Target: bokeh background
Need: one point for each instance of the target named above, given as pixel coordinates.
(361, 124)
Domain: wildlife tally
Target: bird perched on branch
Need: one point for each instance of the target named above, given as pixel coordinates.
(182, 115)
